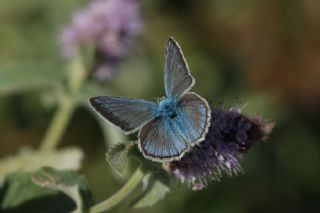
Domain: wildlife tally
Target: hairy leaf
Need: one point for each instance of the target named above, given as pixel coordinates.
(155, 187)
(30, 160)
(68, 182)
(46, 190)
(117, 157)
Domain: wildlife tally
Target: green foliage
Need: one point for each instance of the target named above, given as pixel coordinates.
(67, 182)
(28, 160)
(19, 188)
(155, 182)
(117, 157)
(156, 187)
(23, 76)
(46, 190)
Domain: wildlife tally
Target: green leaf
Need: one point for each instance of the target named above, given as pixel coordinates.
(29, 160)
(21, 76)
(46, 190)
(117, 157)
(19, 189)
(155, 188)
(68, 182)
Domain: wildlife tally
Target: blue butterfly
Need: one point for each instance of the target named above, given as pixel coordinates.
(167, 130)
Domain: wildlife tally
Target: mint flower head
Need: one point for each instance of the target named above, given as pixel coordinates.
(111, 26)
(230, 136)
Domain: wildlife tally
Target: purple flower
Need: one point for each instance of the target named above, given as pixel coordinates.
(231, 134)
(111, 26)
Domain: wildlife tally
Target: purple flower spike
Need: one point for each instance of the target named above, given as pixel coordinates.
(112, 26)
(231, 134)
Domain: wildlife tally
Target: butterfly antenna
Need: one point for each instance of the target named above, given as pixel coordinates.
(155, 99)
(238, 104)
(160, 99)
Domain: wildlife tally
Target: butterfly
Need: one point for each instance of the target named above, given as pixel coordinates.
(168, 129)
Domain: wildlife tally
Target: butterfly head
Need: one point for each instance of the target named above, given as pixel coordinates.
(168, 108)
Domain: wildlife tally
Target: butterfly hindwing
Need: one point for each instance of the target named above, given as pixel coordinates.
(177, 76)
(128, 114)
(160, 140)
(166, 139)
(194, 114)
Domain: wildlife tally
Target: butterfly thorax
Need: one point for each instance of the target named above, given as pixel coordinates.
(167, 108)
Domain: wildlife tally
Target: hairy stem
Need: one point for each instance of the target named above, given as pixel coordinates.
(58, 125)
(67, 105)
(121, 194)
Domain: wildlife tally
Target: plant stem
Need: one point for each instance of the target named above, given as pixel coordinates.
(58, 124)
(67, 105)
(121, 194)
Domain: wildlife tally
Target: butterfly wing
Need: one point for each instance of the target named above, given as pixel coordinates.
(160, 140)
(128, 114)
(166, 139)
(195, 114)
(177, 76)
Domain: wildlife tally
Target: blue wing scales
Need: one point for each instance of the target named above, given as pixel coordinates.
(194, 116)
(166, 139)
(160, 140)
(177, 76)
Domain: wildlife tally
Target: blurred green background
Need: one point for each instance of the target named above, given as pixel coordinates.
(264, 55)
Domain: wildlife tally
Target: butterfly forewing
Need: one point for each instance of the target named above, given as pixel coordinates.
(165, 138)
(177, 77)
(128, 114)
